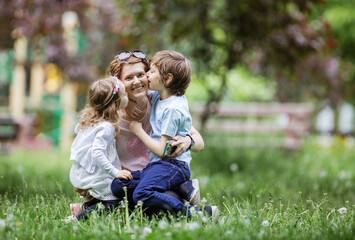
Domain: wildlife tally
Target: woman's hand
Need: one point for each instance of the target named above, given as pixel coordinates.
(135, 127)
(124, 174)
(181, 143)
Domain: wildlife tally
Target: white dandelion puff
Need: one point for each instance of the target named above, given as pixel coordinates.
(323, 174)
(265, 223)
(2, 223)
(192, 226)
(233, 167)
(163, 224)
(147, 230)
(342, 210)
(177, 225)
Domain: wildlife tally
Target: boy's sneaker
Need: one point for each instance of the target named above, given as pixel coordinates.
(190, 191)
(212, 211)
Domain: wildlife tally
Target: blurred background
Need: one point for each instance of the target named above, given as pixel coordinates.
(282, 68)
(272, 93)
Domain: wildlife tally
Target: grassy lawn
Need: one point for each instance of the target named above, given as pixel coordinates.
(261, 193)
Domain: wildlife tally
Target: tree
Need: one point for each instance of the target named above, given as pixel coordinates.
(41, 23)
(275, 39)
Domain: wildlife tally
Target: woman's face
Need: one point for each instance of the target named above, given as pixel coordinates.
(135, 80)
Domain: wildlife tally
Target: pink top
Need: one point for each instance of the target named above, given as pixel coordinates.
(131, 150)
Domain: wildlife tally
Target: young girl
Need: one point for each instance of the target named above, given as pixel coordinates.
(93, 151)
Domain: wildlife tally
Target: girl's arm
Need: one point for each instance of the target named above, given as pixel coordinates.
(99, 148)
(156, 147)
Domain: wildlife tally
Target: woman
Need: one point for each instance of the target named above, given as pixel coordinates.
(131, 68)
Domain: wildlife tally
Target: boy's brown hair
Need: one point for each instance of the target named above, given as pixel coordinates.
(177, 65)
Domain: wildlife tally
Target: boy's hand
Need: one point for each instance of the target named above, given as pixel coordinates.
(124, 174)
(135, 127)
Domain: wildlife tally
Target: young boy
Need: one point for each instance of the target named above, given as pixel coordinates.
(168, 78)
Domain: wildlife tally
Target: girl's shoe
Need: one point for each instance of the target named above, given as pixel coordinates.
(76, 208)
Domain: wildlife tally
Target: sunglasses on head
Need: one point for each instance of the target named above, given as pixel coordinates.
(127, 54)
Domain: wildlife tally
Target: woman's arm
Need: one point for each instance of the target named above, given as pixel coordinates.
(199, 143)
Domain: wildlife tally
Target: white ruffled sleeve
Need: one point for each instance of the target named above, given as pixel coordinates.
(104, 136)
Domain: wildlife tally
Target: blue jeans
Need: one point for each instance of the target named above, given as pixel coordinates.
(149, 184)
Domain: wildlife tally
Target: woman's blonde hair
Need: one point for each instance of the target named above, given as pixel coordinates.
(103, 104)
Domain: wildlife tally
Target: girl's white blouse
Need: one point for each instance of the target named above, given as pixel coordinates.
(96, 162)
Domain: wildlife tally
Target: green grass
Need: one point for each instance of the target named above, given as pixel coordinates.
(261, 193)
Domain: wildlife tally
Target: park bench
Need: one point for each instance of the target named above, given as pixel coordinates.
(9, 131)
(287, 121)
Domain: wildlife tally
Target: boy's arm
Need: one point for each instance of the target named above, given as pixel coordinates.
(156, 147)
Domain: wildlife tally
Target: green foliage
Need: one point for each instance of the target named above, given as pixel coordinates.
(261, 193)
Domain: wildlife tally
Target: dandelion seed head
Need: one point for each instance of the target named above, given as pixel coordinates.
(234, 167)
(344, 175)
(246, 221)
(240, 185)
(177, 225)
(163, 224)
(265, 223)
(203, 200)
(168, 234)
(192, 226)
(193, 211)
(2, 224)
(261, 233)
(323, 174)
(342, 210)
(147, 230)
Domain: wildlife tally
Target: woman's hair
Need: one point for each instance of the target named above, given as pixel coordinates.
(174, 63)
(103, 104)
(116, 65)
